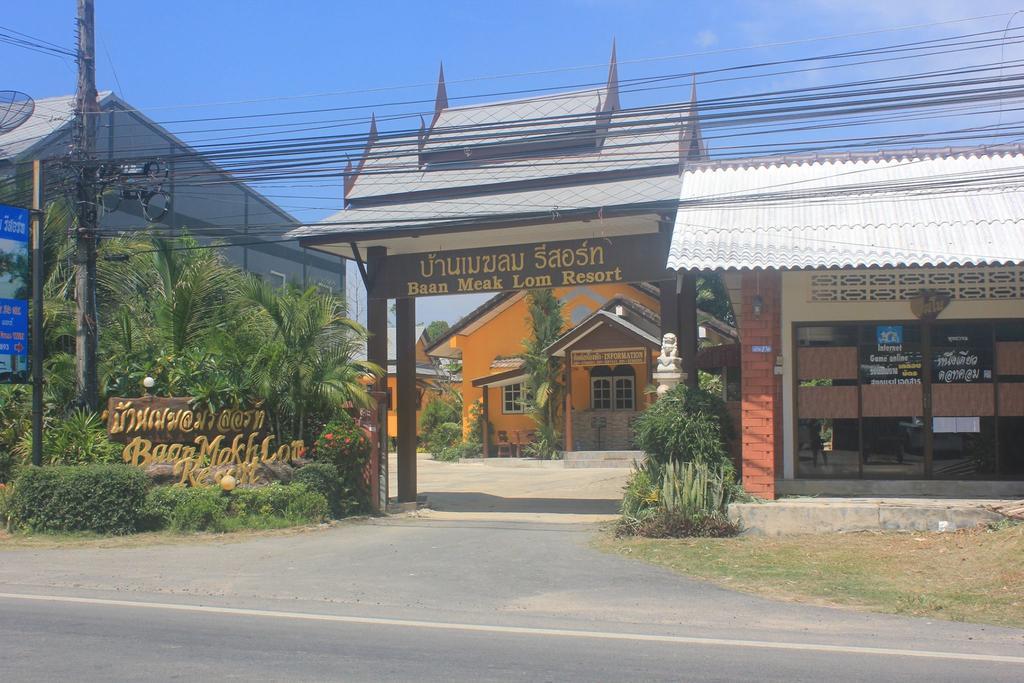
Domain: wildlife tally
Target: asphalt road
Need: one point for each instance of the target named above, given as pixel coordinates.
(425, 599)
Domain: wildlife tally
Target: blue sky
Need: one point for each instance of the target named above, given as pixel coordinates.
(185, 59)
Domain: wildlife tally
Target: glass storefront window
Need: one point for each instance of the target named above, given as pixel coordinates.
(861, 398)
(893, 447)
(828, 447)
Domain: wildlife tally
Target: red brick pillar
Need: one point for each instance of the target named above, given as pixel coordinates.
(761, 388)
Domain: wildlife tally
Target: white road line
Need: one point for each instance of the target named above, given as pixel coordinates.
(525, 630)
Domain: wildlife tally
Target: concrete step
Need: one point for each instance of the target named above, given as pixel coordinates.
(580, 459)
(824, 515)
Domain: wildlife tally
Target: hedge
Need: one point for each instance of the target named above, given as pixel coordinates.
(107, 499)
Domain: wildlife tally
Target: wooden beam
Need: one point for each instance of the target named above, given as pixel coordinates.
(568, 437)
(483, 425)
(377, 352)
(688, 325)
(405, 341)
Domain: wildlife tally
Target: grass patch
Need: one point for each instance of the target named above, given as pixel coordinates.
(970, 575)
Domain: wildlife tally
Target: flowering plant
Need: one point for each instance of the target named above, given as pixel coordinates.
(344, 444)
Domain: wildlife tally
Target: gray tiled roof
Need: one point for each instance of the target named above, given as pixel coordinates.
(594, 195)
(631, 141)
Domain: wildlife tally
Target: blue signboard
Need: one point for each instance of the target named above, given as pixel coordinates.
(14, 264)
(889, 335)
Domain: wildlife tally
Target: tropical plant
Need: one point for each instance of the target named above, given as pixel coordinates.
(675, 499)
(78, 439)
(543, 371)
(685, 424)
(345, 445)
(309, 364)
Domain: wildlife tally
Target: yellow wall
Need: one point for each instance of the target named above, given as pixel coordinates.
(503, 336)
(421, 357)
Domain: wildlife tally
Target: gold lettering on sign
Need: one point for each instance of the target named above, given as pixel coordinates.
(195, 442)
(588, 357)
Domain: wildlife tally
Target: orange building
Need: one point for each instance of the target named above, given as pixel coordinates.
(612, 337)
(429, 378)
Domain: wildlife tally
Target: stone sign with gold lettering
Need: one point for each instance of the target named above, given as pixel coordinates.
(599, 260)
(201, 446)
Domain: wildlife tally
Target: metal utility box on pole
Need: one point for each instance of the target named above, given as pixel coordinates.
(86, 111)
(38, 221)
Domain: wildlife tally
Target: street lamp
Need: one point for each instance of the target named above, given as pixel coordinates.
(149, 383)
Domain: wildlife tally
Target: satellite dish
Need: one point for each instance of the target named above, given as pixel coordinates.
(15, 108)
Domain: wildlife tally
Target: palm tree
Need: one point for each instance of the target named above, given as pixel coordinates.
(544, 372)
(310, 365)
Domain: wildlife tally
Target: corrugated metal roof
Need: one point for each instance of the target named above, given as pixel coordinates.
(50, 115)
(937, 207)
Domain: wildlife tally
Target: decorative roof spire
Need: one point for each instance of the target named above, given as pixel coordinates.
(371, 137)
(441, 99)
(691, 143)
(611, 102)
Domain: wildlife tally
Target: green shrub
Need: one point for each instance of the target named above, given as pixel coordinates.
(322, 478)
(308, 506)
(6, 492)
(269, 500)
(471, 448)
(345, 445)
(202, 511)
(678, 499)
(274, 506)
(107, 499)
(683, 425)
(445, 435)
(163, 501)
(9, 462)
(437, 412)
(672, 524)
(78, 439)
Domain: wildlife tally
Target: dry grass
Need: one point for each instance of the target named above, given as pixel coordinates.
(971, 575)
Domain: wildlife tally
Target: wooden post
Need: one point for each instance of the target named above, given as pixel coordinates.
(688, 326)
(485, 417)
(569, 446)
(669, 307)
(377, 352)
(405, 321)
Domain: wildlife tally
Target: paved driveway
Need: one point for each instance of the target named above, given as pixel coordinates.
(516, 490)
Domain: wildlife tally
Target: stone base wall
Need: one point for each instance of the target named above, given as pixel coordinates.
(616, 435)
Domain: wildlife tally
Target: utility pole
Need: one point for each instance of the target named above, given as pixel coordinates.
(38, 221)
(86, 111)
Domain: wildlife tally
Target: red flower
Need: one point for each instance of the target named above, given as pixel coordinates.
(328, 436)
(348, 440)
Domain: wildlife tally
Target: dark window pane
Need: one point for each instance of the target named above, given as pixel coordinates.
(893, 447)
(828, 448)
(1011, 447)
(963, 447)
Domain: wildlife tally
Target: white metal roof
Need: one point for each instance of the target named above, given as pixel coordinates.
(919, 208)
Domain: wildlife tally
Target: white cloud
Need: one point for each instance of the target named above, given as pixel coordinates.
(707, 38)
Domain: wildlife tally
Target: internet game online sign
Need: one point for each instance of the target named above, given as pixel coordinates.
(14, 293)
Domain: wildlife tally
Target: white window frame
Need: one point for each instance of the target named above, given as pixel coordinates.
(513, 399)
(622, 405)
(609, 397)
